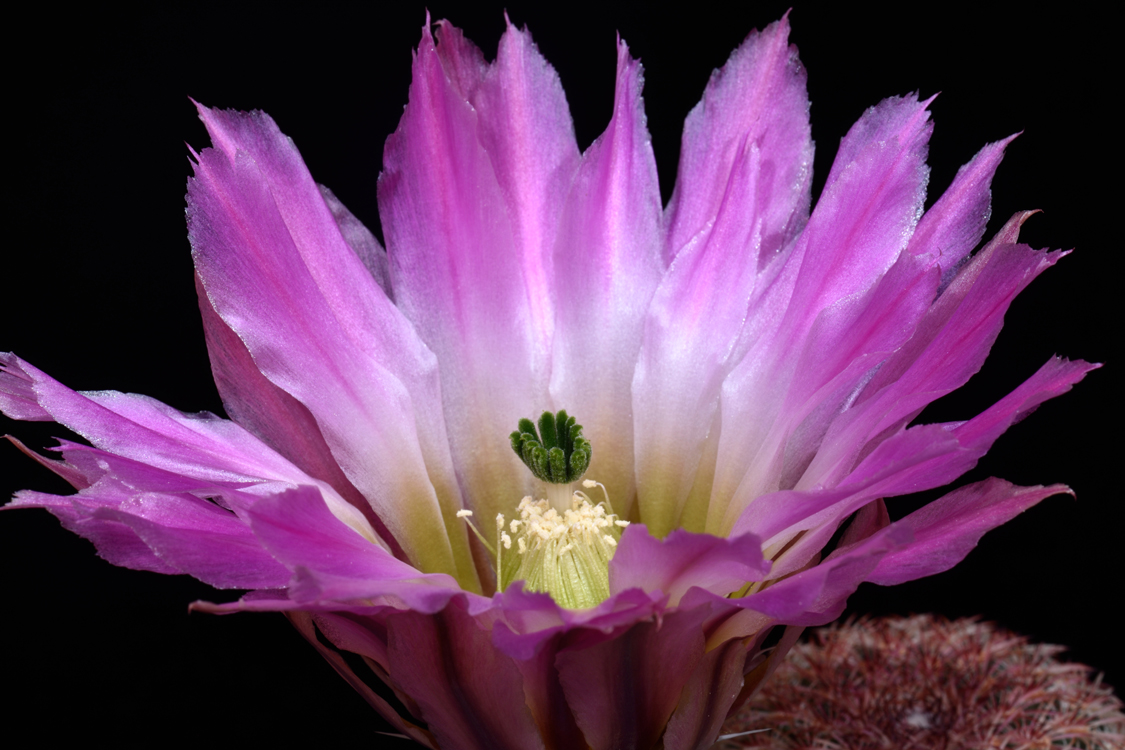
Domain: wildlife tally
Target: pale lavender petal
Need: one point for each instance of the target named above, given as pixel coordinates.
(695, 319)
(277, 269)
(948, 528)
(870, 205)
(474, 295)
(683, 560)
(623, 690)
(526, 129)
(333, 563)
(361, 241)
(758, 99)
(470, 693)
(607, 264)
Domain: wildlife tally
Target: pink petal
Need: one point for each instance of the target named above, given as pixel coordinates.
(871, 202)
(950, 344)
(707, 697)
(864, 218)
(530, 619)
(470, 693)
(758, 99)
(818, 594)
(949, 231)
(362, 242)
(333, 563)
(607, 264)
(165, 533)
(623, 690)
(260, 406)
(742, 193)
(115, 542)
(846, 345)
(73, 475)
(476, 295)
(920, 458)
(1054, 378)
(525, 128)
(948, 528)
(546, 699)
(304, 624)
(201, 448)
(279, 272)
(200, 539)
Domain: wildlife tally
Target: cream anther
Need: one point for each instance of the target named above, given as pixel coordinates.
(565, 552)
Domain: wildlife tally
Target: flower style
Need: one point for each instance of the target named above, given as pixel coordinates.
(744, 372)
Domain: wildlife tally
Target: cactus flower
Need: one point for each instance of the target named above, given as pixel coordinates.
(558, 459)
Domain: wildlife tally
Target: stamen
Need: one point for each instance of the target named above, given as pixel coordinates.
(465, 514)
(564, 553)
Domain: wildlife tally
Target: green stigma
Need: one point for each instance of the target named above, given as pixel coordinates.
(556, 453)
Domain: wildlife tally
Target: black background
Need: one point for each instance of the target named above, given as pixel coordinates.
(98, 292)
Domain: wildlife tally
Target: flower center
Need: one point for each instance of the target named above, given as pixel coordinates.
(561, 544)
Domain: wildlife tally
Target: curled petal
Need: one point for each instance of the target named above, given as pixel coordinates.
(684, 560)
(817, 595)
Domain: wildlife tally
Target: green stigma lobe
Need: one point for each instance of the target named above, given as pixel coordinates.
(555, 452)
